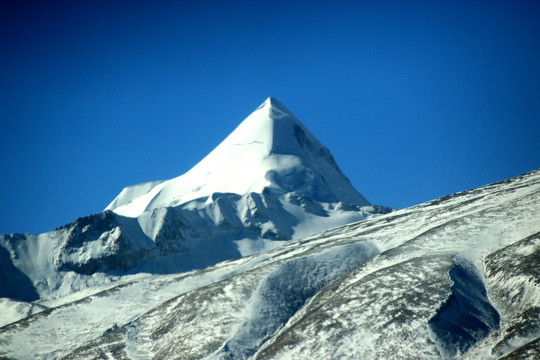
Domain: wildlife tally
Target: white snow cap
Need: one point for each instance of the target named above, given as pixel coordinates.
(269, 149)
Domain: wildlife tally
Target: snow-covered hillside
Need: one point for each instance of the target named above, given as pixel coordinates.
(456, 277)
(268, 182)
(265, 250)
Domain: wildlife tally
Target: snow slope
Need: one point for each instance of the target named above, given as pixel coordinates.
(456, 277)
(270, 149)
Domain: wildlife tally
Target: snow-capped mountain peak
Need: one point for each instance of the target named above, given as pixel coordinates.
(275, 108)
(270, 149)
(268, 182)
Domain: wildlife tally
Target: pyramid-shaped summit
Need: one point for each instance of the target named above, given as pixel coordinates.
(270, 149)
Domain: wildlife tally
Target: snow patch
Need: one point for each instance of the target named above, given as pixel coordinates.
(248, 247)
(284, 291)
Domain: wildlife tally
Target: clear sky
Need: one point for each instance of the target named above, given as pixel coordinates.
(415, 99)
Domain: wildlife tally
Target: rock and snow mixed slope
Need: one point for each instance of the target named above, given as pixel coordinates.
(269, 181)
(456, 277)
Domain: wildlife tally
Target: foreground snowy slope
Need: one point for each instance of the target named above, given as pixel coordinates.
(457, 277)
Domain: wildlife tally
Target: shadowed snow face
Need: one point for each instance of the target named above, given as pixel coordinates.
(467, 316)
(284, 291)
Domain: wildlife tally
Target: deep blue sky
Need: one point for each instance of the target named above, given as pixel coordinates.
(415, 99)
